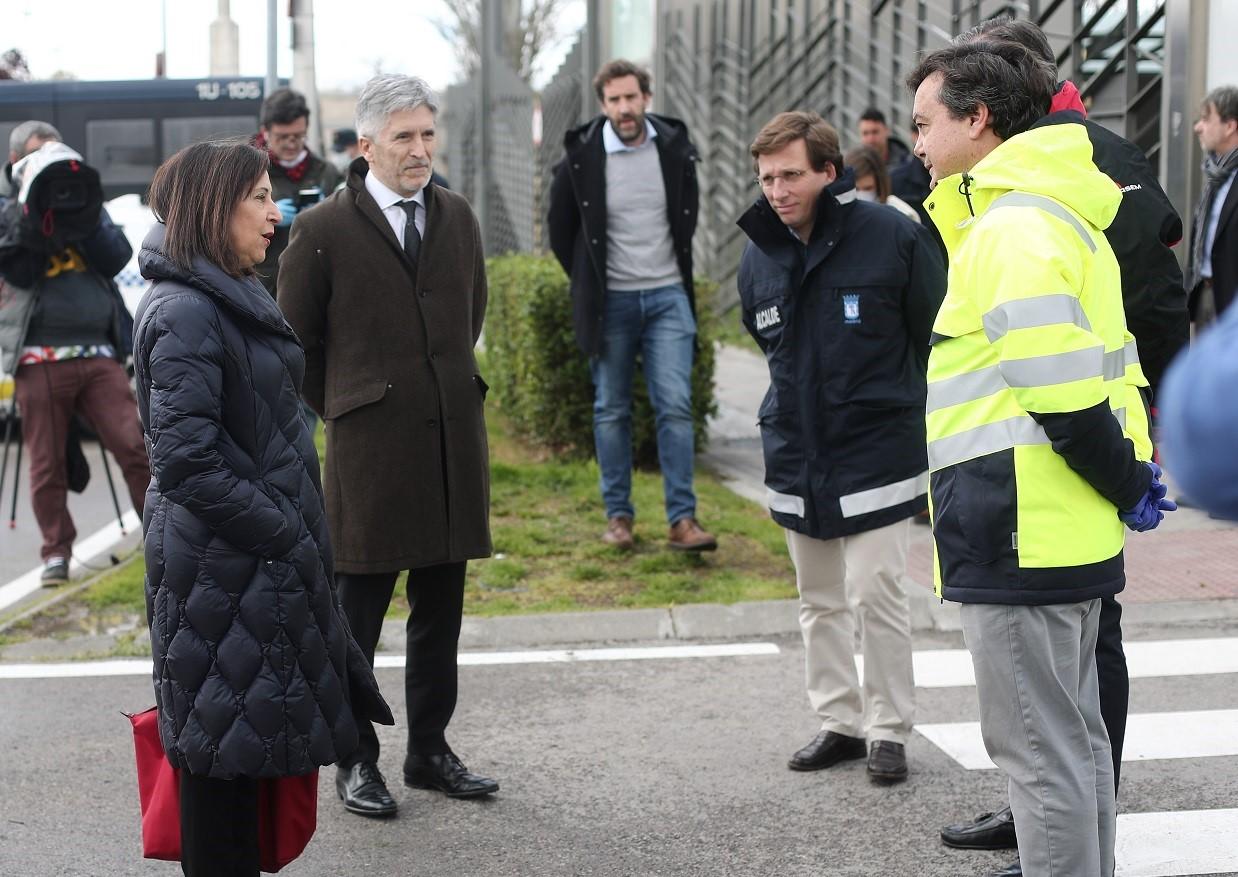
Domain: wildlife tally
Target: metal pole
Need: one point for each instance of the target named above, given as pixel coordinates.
(488, 44)
(591, 61)
(16, 480)
(272, 79)
(304, 78)
(1182, 88)
(111, 485)
(162, 66)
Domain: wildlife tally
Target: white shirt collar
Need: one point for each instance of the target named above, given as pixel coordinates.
(386, 198)
(612, 143)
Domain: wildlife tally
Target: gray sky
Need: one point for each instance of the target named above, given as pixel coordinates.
(119, 40)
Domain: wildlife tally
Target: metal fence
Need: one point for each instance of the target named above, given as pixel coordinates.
(728, 66)
(508, 210)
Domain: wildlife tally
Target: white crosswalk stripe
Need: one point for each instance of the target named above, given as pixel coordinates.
(1151, 844)
(1149, 736)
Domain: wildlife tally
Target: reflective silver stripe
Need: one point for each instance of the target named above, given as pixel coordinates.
(965, 388)
(1048, 205)
(987, 439)
(878, 498)
(784, 502)
(1120, 414)
(1115, 364)
(1027, 313)
(1054, 368)
(1131, 351)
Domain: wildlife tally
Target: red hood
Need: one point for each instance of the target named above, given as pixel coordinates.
(1067, 98)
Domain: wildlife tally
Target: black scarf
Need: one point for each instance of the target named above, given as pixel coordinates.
(1217, 169)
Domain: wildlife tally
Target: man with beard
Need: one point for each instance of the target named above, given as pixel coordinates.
(622, 214)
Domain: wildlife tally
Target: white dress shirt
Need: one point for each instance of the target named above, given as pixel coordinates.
(389, 203)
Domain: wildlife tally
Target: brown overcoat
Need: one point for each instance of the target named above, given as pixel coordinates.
(389, 365)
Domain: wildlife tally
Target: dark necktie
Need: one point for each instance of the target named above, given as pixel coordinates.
(412, 238)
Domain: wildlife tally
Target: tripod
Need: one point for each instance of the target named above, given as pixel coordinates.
(10, 418)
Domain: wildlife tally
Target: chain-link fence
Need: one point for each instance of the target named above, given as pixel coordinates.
(508, 211)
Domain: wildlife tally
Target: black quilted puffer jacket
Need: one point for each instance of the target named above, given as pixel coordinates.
(255, 667)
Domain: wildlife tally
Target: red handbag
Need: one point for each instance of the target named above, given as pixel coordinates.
(287, 806)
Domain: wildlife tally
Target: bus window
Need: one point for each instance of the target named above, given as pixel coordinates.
(122, 150)
(179, 133)
(6, 128)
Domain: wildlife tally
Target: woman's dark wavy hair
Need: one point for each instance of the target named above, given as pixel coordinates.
(195, 192)
(1015, 85)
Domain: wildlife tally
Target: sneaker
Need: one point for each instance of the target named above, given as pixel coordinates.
(55, 572)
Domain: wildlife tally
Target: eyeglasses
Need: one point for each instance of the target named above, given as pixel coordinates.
(790, 177)
(287, 138)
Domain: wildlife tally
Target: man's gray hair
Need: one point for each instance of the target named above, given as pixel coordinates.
(26, 130)
(1225, 99)
(389, 93)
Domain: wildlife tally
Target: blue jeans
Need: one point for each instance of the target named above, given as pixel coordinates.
(656, 323)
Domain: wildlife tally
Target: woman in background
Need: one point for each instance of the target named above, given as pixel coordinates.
(872, 180)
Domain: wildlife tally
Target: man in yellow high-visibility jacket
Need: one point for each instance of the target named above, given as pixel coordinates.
(1036, 433)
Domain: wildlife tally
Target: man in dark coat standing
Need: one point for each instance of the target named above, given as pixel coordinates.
(385, 285)
(622, 214)
(840, 296)
(1214, 233)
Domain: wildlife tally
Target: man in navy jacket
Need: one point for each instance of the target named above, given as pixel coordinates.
(841, 295)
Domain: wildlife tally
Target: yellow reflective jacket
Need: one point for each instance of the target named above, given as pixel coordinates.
(1035, 423)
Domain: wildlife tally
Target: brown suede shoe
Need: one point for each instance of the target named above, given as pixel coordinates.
(619, 533)
(687, 535)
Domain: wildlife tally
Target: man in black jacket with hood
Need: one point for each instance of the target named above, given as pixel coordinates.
(1142, 236)
(622, 214)
(840, 295)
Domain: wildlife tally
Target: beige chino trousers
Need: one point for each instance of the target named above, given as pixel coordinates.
(855, 584)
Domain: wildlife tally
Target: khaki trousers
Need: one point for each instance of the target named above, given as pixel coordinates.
(848, 585)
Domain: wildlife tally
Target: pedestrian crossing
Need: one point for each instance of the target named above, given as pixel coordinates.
(1150, 844)
(1149, 736)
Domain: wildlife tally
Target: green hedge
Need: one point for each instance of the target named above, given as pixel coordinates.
(540, 377)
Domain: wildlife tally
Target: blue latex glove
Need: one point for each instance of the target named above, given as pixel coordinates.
(287, 211)
(1151, 509)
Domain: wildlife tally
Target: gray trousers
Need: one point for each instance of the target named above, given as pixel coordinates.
(1041, 722)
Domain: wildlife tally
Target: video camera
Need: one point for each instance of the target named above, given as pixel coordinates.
(59, 202)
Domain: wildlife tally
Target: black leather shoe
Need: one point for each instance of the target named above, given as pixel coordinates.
(887, 762)
(826, 750)
(364, 791)
(443, 771)
(1013, 870)
(988, 831)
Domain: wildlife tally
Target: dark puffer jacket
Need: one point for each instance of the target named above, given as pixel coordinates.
(255, 667)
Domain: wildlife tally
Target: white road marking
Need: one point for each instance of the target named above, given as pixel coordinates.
(142, 666)
(93, 545)
(948, 668)
(1177, 844)
(1149, 736)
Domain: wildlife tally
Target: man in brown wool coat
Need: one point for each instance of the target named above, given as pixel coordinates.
(385, 285)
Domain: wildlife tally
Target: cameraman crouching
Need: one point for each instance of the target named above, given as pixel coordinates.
(65, 330)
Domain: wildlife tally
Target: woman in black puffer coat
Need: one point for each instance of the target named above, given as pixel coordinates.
(254, 665)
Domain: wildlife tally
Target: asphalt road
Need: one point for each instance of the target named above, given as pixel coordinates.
(662, 767)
